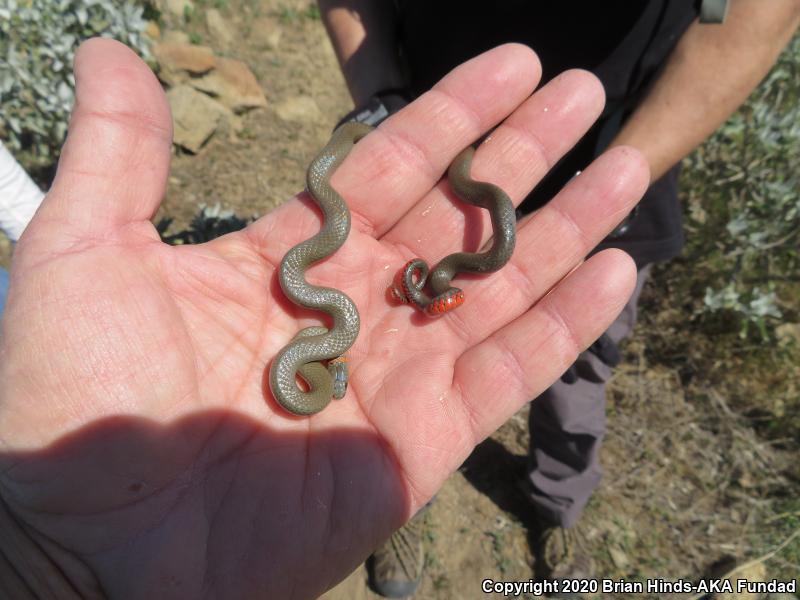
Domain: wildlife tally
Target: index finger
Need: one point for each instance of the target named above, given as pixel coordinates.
(388, 171)
(391, 169)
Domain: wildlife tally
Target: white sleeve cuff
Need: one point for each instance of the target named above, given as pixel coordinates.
(19, 196)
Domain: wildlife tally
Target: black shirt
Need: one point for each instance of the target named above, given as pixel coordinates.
(625, 43)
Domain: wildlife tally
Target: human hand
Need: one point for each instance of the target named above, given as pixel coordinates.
(140, 450)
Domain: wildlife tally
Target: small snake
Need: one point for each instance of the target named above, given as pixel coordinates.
(410, 282)
(307, 351)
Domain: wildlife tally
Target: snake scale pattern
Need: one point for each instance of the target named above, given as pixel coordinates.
(312, 347)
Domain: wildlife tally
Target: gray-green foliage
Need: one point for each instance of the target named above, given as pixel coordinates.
(38, 39)
(747, 179)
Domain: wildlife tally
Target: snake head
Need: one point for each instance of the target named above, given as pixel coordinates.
(339, 371)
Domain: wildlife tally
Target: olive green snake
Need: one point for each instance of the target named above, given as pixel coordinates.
(307, 351)
(317, 353)
(410, 281)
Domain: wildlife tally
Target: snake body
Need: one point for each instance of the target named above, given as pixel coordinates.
(314, 346)
(411, 280)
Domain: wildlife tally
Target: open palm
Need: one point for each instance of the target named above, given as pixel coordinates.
(139, 444)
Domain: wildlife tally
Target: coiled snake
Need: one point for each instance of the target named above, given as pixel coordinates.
(313, 346)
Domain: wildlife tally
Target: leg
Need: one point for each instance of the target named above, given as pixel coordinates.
(567, 424)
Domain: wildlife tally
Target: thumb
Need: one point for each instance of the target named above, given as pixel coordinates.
(115, 162)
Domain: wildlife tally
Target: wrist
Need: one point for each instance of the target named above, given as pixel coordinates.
(377, 108)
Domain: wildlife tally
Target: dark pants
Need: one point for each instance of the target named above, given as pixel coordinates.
(567, 424)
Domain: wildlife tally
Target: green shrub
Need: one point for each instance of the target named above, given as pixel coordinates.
(745, 204)
(38, 39)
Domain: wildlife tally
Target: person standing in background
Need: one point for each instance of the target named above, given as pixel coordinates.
(670, 80)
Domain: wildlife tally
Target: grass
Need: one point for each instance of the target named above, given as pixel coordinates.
(783, 540)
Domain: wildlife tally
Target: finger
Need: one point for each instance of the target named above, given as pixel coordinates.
(441, 423)
(516, 156)
(413, 149)
(389, 170)
(551, 243)
(114, 165)
(521, 360)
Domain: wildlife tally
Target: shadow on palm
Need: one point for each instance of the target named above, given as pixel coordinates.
(214, 497)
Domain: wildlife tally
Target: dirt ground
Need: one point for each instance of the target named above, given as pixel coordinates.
(687, 481)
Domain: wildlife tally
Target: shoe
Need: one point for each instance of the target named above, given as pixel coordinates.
(395, 568)
(561, 554)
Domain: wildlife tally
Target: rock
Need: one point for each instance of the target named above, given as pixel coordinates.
(187, 57)
(195, 116)
(233, 84)
(178, 37)
(299, 109)
(265, 34)
(153, 31)
(219, 29)
(177, 61)
(231, 123)
(619, 558)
